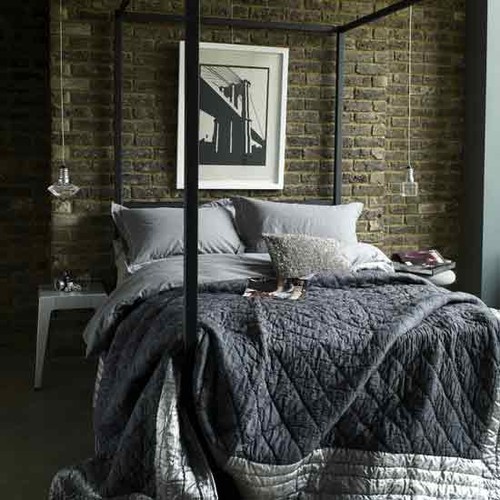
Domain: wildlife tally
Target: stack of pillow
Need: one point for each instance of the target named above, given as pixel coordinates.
(300, 238)
(150, 234)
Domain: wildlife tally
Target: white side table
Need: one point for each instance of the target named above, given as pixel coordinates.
(91, 297)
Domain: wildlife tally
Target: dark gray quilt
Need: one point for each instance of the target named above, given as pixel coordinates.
(373, 385)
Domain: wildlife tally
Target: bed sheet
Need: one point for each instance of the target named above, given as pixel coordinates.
(165, 274)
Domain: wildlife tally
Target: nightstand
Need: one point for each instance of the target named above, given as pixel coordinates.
(91, 297)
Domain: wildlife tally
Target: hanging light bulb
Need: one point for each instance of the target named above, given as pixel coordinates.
(63, 188)
(409, 187)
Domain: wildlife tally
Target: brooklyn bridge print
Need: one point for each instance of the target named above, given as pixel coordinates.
(233, 115)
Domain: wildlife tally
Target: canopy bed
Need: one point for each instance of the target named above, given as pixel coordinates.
(375, 384)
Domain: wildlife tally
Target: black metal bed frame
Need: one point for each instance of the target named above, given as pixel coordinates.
(193, 20)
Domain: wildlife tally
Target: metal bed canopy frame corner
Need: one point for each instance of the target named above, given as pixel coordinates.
(192, 21)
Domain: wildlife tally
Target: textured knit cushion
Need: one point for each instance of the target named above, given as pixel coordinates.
(156, 233)
(298, 255)
(256, 217)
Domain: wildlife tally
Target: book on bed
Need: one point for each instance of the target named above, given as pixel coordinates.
(288, 289)
(424, 262)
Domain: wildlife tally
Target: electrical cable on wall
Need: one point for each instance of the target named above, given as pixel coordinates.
(410, 187)
(63, 188)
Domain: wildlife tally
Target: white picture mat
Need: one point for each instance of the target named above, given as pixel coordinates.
(270, 176)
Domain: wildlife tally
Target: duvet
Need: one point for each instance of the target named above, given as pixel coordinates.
(375, 385)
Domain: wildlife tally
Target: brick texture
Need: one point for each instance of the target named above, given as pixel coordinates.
(24, 162)
(375, 116)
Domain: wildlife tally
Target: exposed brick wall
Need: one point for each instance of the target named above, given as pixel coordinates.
(438, 128)
(24, 162)
(375, 112)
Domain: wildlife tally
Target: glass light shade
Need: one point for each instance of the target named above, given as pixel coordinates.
(409, 187)
(63, 187)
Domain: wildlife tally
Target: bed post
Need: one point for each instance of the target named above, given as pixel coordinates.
(191, 162)
(118, 104)
(339, 109)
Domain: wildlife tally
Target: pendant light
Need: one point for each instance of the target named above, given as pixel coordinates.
(63, 188)
(409, 187)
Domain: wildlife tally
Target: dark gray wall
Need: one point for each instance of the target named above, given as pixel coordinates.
(490, 289)
(479, 266)
(24, 164)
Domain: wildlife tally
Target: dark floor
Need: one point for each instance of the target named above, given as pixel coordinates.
(42, 431)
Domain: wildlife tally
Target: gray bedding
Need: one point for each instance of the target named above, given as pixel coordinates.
(165, 274)
(375, 385)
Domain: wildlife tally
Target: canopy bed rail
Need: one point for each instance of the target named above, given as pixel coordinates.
(193, 20)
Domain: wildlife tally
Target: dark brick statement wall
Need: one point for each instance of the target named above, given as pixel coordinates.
(24, 162)
(375, 116)
(375, 124)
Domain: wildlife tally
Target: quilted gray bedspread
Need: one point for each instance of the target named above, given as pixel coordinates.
(374, 386)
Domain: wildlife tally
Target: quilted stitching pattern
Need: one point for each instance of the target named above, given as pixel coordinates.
(375, 366)
(338, 395)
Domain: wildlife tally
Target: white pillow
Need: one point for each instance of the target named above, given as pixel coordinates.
(365, 256)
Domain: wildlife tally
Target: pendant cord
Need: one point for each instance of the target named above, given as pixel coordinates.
(61, 87)
(410, 49)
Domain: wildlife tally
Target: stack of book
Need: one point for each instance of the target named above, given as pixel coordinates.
(423, 262)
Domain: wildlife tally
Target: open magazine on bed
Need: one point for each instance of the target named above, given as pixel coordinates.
(290, 289)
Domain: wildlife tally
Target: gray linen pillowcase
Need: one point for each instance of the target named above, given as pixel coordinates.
(156, 233)
(298, 256)
(256, 217)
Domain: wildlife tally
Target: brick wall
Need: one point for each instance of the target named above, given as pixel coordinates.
(375, 113)
(24, 162)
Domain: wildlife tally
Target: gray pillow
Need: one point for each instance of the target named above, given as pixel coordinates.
(256, 217)
(298, 256)
(156, 233)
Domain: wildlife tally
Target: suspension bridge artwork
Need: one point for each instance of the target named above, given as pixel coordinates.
(242, 116)
(233, 115)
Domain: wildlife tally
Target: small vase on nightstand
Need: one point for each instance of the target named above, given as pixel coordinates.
(65, 283)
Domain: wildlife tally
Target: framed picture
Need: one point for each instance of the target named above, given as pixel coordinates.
(243, 91)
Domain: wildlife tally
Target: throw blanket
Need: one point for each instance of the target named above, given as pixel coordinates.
(373, 385)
